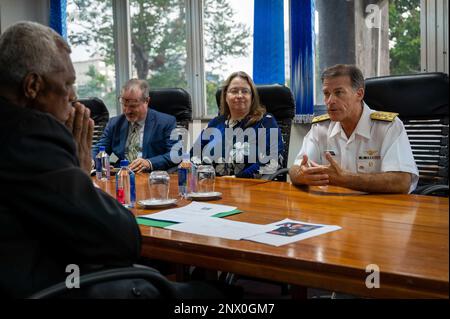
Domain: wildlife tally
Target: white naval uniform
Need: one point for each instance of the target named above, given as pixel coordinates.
(379, 146)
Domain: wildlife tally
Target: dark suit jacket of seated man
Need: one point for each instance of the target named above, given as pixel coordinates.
(51, 214)
(155, 144)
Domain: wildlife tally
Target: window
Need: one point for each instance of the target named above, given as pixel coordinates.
(90, 35)
(404, 36)
(158, 42)
(381, 39)
(228, 44)
(160, 37)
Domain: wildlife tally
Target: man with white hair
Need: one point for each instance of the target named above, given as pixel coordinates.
(51, 214)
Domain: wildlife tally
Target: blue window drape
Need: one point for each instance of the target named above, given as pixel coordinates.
(58, 17)
(268, 42)
(302, 58)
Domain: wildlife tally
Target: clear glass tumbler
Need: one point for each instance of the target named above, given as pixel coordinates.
(206, 176)
(159, 183)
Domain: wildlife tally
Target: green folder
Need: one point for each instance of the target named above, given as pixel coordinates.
(153, 222)
(162, 223)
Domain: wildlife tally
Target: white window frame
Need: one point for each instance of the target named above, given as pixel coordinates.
(195, 62)
(122, 45)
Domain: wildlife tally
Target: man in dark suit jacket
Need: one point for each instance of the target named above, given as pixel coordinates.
(150, 149)
(52, 217)
(51, 214)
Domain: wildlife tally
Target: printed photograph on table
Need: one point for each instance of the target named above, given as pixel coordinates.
(292, 229)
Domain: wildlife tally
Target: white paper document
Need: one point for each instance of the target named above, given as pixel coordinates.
(288, 231)
(219, 227)
(191, 212)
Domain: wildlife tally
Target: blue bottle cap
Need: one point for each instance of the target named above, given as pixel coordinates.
(123, 163)
(102, 148)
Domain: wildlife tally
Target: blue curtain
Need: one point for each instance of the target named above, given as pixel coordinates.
(58, 16)
(268, 42)
(302, 58)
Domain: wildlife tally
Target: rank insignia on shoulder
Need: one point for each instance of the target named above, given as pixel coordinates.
(383, 116)
(320, 118)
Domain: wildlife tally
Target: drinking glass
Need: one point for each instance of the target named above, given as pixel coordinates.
(159, 182)
(206, 176)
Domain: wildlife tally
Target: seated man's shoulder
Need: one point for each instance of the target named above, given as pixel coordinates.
(321, 118)
(118, 119)
(387, 117)
(32, 120)
(163, 116)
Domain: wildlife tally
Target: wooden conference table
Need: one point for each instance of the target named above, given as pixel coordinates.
(406, 236)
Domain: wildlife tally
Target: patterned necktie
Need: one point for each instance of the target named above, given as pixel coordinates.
(133, 143)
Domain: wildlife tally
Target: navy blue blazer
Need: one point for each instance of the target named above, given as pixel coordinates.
(156, 143)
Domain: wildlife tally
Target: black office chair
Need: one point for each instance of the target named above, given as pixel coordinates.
(279, 101)
(100, 115)
(176, 102)
(173, 101)
(156, 286)
(422, 103)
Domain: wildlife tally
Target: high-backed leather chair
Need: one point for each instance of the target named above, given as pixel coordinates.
(136, 282)
(124, 283)
(422, 103)
(173, 101)
(279, 101)
(100, 115)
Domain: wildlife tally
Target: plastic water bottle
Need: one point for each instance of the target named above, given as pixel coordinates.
(193, 179)
(102, 170)
(184, 174)
(125, 185)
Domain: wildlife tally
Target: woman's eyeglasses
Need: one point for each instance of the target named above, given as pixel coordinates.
(236, 91)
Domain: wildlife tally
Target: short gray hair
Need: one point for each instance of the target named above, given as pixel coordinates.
(137, 84)
(352, 71)
(28, 47)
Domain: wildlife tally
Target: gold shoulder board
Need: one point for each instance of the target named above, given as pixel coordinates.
(383, 116)
(320, 118)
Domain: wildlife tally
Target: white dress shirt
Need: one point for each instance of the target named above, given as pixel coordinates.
(374, 146)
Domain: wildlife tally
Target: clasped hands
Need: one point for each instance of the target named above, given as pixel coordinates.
(313, 174)
(81, 126)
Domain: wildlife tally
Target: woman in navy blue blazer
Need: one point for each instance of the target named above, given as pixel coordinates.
(244, 140)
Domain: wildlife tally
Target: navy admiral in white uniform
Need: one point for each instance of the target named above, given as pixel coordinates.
(353, 146)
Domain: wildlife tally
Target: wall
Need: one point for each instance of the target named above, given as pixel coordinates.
(434, 35)
(12, 11)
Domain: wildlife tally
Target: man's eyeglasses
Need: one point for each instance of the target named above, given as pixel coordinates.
(130, 102)
(236, 91)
